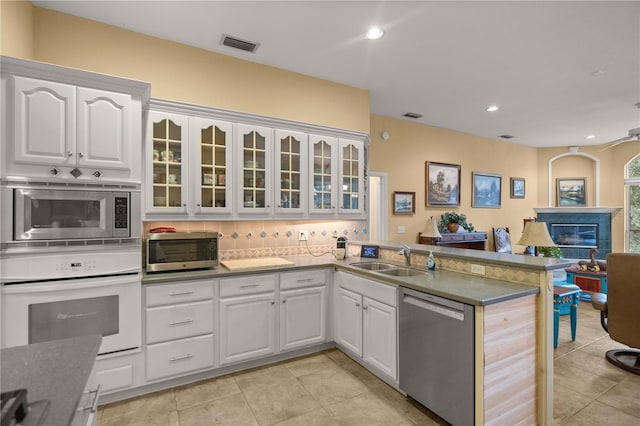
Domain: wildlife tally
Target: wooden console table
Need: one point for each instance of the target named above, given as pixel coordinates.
(467, 240)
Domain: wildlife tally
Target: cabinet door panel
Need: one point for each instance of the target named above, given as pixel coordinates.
(290, 172)
(44, 122)
(351, 188)
(104, 129)
(302, 317)
(379, 329)
(323, 154)
(349, 321)
(247, 327)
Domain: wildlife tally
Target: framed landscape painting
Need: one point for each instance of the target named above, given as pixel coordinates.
(404, 202)
(517, 187)
(442, 184)
(486, 190)
(571, 192)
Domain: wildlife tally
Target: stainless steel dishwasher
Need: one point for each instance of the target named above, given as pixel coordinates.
(437, 354)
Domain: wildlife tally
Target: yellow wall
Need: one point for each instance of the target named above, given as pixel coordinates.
(410, 145)
(187, 74)
(16, 29)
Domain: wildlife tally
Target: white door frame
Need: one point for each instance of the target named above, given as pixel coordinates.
(380, 206)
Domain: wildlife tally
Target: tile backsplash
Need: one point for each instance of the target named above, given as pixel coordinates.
(242, 239)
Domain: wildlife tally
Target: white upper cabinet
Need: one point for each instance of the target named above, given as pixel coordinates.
(188, 161)
(254, 162)
(323, 156)
(291, 170)
(351, 180)
(82, 126)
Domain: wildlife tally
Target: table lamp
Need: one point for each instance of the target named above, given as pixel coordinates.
(536, 234)
(431, 229)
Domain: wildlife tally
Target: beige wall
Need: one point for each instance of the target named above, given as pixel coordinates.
(16, 29)
(410, 145)
(196, 76)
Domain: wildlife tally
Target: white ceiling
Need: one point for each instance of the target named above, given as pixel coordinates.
(558, 70)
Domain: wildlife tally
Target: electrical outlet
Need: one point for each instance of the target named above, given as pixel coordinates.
(303, 236)
(477, 269)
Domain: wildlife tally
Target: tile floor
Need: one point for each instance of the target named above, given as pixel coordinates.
(329, 388)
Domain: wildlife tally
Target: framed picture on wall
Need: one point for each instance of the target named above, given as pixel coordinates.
(442, 184)
(486, 190)
(404, 202)
(517, 187)
(571, 191)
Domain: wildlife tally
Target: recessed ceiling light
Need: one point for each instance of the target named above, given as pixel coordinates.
(492, 108)
(374, 33)
(590, 137)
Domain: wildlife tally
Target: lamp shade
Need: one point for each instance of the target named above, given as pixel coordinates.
(536, 234)
(430, 229)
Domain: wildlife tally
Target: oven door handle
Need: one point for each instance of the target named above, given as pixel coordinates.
(72, 284)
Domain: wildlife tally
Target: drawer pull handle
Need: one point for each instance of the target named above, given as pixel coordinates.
(94, 405)
(187, 321)
(249, 286)
(179, 358)
(304, 280)
(182, 293)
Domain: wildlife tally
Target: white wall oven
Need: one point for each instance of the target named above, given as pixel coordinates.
(60, 295)
(56, 212)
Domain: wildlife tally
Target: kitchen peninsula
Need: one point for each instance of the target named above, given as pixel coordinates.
(512, 310)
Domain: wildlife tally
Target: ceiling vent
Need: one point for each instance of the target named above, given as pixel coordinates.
(413, 115)
(507, 136)
(236, 43)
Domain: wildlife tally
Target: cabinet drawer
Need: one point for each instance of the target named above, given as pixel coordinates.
(309, 278)
(179, 321)
(117, 373)
(385, 293)
(247, 285)
(475, 237)
(179, 357)
(450, 238)
(188, 291)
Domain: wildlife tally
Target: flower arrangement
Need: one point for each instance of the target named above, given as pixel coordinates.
(454, 218)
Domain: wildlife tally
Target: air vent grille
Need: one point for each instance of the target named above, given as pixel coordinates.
(413, 115)
(507, 136)
(237, 43)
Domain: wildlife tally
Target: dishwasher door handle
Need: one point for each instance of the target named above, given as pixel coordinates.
(433, 307)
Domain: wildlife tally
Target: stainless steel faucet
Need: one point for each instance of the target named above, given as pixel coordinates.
(406, 252)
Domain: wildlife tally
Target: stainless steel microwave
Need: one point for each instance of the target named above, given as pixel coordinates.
(66, 212)
(170, 251)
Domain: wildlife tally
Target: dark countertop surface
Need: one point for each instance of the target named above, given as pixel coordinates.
(470, 289)
(56, 371)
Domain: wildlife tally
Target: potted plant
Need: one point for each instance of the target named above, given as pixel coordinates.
(452, 221)
(552, 251)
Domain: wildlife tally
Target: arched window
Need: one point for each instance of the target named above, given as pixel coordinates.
(632, 184)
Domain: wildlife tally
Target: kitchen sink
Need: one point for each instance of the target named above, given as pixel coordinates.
(403, 272)
(374, 266)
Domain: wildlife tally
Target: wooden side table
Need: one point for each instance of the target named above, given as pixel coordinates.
(565, 296)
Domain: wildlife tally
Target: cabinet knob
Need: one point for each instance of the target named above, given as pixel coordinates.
(69, 153)
(284, 301)
(198, 204)
(357, 305)
(184, 205)
(364, 308)
(80, 155)
(273, 303)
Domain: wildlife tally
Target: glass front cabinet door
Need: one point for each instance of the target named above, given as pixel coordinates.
(212, 165)
(255, 145)
(351, 188)
(322, 162)
(291, 172)
(167, 156)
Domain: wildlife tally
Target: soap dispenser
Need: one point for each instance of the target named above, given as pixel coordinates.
(431, 262)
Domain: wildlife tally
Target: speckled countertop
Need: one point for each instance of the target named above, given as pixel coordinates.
(56, 371)
(470, 289)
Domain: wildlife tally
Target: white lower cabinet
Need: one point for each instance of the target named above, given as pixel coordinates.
(179, 328)
(303, 309)
(366, 321)
(117, 373)
(247, 319)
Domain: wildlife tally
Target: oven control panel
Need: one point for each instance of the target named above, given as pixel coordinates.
(87, 265)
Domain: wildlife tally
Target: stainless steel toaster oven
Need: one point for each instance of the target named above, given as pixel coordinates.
(171, 251)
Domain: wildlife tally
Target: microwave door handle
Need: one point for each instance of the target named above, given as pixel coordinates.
(71, 285)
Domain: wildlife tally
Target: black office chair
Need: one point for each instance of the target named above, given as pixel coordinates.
(619, 313)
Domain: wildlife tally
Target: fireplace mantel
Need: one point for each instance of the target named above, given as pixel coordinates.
(611, 210)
